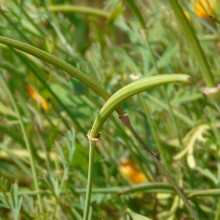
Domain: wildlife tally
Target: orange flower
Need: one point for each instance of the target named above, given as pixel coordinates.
(132, 173)
(32, 92)
(204, 8)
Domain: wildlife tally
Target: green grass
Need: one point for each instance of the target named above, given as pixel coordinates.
(76, 56)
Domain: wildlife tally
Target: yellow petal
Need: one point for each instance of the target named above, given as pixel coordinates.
(132, 173)
(204, 8)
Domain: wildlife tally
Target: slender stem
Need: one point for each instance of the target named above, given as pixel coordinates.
(152, 187)
(33, 167)
(44, 83)
(126, 92)
(136, 11)
(154, 131)
(92, 84)
(193, 43)
(163, 171)
(77, 9)
(89, 180)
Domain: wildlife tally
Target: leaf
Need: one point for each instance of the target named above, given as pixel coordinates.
(136, 216)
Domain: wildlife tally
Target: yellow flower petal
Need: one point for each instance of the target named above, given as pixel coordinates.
(204, 8)
(132, 173)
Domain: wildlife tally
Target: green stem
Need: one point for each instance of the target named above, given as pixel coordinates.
(40, 78)
(193, 43)
(154, 131)
(126, 92)
(92, 84)
(152, 187)
(89, 180)
(77, 9)
(33, 167)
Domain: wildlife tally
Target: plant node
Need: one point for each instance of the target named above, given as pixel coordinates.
(125, 119)
(91, 138)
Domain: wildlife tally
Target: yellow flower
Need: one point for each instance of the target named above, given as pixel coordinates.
(204, 8)
(34, 95)
(132, 173)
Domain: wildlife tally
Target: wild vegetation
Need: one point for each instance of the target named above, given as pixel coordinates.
(109, 109)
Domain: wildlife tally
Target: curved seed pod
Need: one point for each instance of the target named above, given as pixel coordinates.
(131, 89)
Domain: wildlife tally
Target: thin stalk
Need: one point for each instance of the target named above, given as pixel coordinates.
(136, 152)
(126, 92)
(153, 130)
(163, 171)
(136, 11)
(33, 167)
(92, 146)
(152, 187)
(77, 9)
(193, 43)
(92, 84)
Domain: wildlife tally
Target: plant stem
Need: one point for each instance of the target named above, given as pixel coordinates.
(33, 167)
(77, 9)
(126, 92)
(92, 84)
(92, 145)
(163, 170)
(154, 131)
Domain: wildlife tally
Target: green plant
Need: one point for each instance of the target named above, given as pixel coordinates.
(71, 58)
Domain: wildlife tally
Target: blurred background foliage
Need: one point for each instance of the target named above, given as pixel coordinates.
(107, 43)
